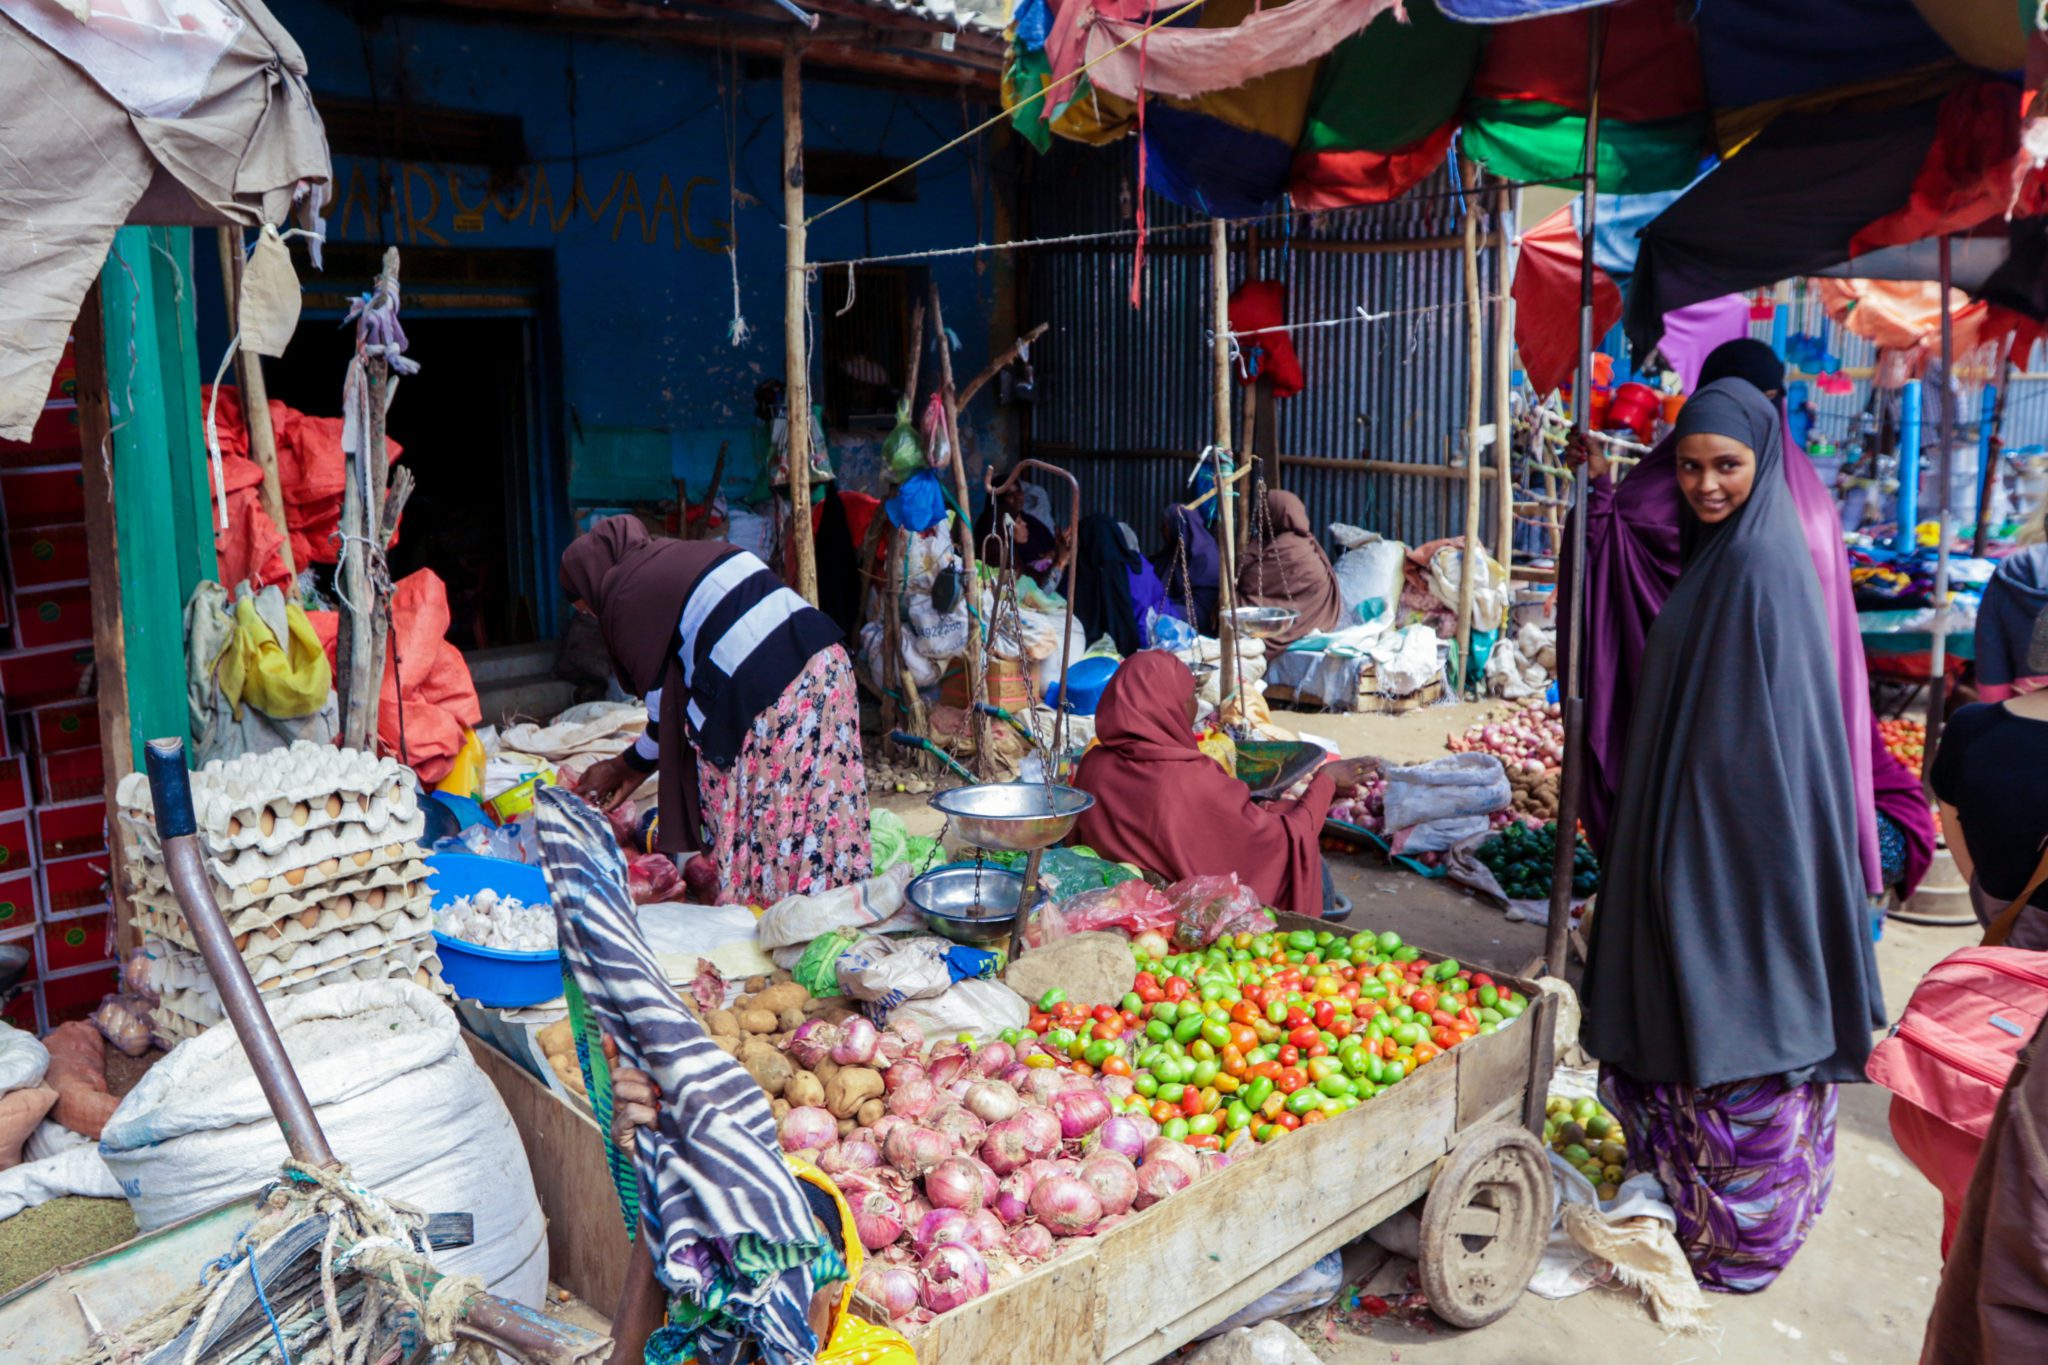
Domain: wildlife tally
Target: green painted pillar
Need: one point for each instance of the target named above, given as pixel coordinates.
(162, 508)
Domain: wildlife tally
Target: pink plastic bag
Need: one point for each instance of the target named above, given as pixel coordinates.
(652, 879)
(1206, 908)
(1132, 906)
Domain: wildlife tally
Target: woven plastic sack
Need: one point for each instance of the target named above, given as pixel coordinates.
(902, 452)
(1444, 788)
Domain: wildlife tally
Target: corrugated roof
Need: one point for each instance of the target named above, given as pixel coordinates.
(981, 16)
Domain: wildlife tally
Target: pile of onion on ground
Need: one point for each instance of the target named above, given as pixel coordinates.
(979, 1165)
(1528, 738)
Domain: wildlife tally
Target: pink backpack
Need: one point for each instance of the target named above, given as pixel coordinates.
(1951, 1051)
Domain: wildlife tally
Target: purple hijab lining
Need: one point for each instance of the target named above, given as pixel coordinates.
(1632, 548)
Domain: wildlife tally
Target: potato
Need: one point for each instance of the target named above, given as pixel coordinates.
(727, 1043)
(845, 1127)
(756, 984)
(558, 1037)
(769, 1068)
(786, 996)
(780, 975)
(850, 1089)
(871, 1113)
(758, 1021)
(722, 1022)
(804, 1089)
(779, 1108)
(790, 1020)
(825, 1070)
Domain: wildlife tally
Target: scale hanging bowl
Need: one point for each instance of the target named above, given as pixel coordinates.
(1262, 623)
(1012, 817)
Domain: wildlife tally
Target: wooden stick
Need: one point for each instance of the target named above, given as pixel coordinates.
(977, 666)
(911, 366)
(995, 367)
(255, 398)
(103, 557)
(1475, 393)
(1219, 362)
(1236, 477)
(796, 360)
(1503, 391)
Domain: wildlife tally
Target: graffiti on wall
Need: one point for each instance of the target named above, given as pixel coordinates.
(427, 204)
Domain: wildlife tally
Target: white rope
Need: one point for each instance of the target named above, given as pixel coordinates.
(220, 478)
(1351, 319)
(852, 289)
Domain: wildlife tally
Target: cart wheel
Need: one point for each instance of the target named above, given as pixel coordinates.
(1484, 1225)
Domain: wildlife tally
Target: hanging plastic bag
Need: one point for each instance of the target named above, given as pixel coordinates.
(937, 445)
(282, 676)
(902, 451)
(1133, 906)
(1206, 908)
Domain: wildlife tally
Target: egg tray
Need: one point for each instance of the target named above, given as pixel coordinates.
(271, 832)
(321, 855)
(245, 910)
(293, 786)
(177, 971)
(346, 913)
(289, 964)
(187, 1013)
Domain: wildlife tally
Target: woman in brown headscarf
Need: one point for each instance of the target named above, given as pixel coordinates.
(1284, 566)
(1163, 804)
(753, 719)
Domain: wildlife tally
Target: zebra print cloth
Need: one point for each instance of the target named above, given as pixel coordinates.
(732, 1236)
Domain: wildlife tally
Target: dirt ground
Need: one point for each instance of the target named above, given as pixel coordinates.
(1859, 1291)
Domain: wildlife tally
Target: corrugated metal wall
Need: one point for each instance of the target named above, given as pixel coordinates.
(1125, 394)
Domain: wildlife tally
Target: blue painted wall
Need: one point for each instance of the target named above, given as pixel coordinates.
(627, 185)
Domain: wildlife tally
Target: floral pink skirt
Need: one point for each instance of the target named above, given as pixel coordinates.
(790, 816)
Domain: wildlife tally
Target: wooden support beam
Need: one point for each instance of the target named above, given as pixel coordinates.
(103, 553)
(1226, 543)
(255, 395)
(796, 358)
(977, 663)
(995, 367)
(1503, 389)
(1475, 393)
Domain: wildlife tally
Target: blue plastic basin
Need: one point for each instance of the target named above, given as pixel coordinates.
(1085, 680)
(492, 976)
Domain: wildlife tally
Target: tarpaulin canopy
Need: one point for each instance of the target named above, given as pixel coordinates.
(165, 112)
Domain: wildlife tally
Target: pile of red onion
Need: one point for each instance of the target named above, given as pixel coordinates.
(1526, 737)
(981, 1167)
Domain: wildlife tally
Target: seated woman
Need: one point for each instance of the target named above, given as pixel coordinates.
(1163, 804)
(2016, 594)
(1040, 553)
(1191, 567)
(1991, 778)
(1115, 588)
(1284, 566)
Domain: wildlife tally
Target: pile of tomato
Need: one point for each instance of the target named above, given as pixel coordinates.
(1261, 1034)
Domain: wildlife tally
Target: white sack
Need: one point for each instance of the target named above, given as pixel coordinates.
(399, 1097)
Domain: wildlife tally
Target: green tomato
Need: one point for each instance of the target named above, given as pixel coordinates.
(1165, 1012)
(1304, 1099)
(1513, 1008)
(1098, 1052)
(1205, 1074)
(1131, 1002)
(1445, 970)
(1216, 1033)
(1408, 1035)
(1389, 942)
(1059, 1039)
(1405, 953)
(1334, 1084)
(1177, 1129)
(1236, 1116)
(1146, 1084)
(1158, 1030)
(1202, 1125)
(1276, 1013)
(1300, 941)
(1256, 1094)
(1051, 998)
(1188, 1029)
(1489, 996)
(1173, 1093)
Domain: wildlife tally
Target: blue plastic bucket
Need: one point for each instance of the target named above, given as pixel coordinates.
(492, 976)
(1085, 681)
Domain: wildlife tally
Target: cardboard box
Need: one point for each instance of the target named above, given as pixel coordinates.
(77, 994)
(82, 941)
(58, 726)
(31, 678)
(70, 775)
(48, 495)
(57, 615)
(71, 829)
(65, 887)
(22, 1010)
(14, 792)
(17, 844)
(42, 555)
(1009, 686)
(20, 902)
(55, 439)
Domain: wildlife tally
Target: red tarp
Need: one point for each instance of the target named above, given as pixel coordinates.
(440, 697)
(1547, 301)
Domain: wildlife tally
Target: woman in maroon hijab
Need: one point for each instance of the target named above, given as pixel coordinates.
(1166, 806)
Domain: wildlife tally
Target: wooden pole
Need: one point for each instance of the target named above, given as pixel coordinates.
(1503, 390)
(1944, 465)
(359, 650)
(1557, 934)
(255, 396)
(796, 359)
(103, 554)
(1475, 396)
(977, 666)
(1219, 359)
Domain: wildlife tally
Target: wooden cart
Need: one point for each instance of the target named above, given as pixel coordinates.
(1461, 1130)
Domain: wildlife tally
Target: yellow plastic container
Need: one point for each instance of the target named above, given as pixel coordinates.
(466, 778)
(513, 802)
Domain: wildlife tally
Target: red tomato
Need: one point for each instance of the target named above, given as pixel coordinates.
(1443, 1036)
(1289, 1121)
(1291, 1079)
(1296, 1016)
(1202, 1141)
(1340, 1028)
(1304, 1036)
(1110, 1029)
(1162, 1112)
(1348, 991)
(1481, 979)
(1324, 1013)
(1177, 989)
(1145, 979)
(1289, 1055)
(1422, 1002)
(1151, 995)
(1039, 1024)
(1439, 1017)
(1102, 1013)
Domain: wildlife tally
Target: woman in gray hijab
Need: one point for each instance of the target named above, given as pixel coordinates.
(1731, 982)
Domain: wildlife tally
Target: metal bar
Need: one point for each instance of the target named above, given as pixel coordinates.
(995, 490)
(1219, 363)
(170, 788)
(1503, 391)
(1557, 941)
(1908, 507)
(1475, 397)
(1937, 686)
